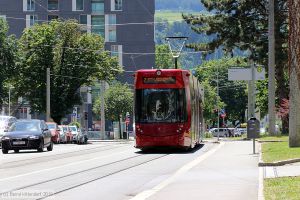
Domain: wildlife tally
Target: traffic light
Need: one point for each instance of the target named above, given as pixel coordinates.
(86, 115)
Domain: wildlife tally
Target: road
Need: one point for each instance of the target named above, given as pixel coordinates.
(101, 170)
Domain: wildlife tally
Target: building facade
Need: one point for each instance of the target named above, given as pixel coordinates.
(126, 25)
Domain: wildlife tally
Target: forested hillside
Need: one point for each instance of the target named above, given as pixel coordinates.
(179, 5)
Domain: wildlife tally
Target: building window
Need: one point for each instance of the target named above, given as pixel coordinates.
(30, 20)
(97, 22)
(77, 5)
(112, 19)
(116, 51)
(52, 4)
(33, 19)
(116, 5)
(30, 5)
(98, 6)
(83, 19)
(52, 17)
(112, 35)
(83, 23)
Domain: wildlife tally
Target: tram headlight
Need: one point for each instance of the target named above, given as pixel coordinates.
(158, 72)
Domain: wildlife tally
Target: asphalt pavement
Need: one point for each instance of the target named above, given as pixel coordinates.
(229, 173)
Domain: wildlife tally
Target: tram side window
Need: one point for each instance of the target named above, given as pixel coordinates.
(160, 105)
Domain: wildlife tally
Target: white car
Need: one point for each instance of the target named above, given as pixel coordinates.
(74, 131)
(242, 130)
(5, 123)
(223, 132)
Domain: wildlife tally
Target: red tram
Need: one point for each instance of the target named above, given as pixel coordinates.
(168, 109)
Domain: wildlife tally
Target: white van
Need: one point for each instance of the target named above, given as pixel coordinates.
(223, 132)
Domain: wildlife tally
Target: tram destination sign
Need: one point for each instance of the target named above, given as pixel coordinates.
(159, 80)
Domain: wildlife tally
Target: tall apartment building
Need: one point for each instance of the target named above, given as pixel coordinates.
(126, 25)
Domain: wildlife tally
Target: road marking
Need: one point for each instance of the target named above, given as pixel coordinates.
(148, 193)
(49, 169)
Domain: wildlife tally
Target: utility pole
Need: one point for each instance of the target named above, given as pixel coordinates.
(252, 111)
(251, 92)
(102, 109)
(271, 63)
(48, 95)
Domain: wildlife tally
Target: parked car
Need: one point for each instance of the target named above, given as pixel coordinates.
(82, 137)
(66, 133)
(222, 132)
(5, 123)
(55, 137)
(234, 132)
(242, 130)
(27, 134)
(74, 131)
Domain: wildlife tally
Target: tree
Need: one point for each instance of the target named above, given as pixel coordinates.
(211, 103)
(118, 100)
(232, 93)
(243, 24)
(8, 59)
(163, 57)
(74, 58)
(294, 64)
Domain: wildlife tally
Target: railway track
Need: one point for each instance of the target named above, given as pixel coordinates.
(30, 161)
(64, 183)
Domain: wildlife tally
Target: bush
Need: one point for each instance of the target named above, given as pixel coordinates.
(77, 124)
(208, 135)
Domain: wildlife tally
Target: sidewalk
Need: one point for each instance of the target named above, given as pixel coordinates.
(230, 173)
(282, 171)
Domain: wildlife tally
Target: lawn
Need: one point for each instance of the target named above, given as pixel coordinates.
(170, 16)
(276, 151)
(274, 138)
(282, 188)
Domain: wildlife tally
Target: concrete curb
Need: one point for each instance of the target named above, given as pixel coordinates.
(260, 177)
(279, 163)
(110, 140)
(261, 141)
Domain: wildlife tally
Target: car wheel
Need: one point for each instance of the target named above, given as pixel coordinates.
(41, 148)
(4, 151)
(17, 151)
(50, 147)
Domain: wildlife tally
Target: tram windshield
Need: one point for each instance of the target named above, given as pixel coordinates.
(160, 105)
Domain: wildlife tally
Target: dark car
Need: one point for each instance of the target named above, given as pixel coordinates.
(27, 134)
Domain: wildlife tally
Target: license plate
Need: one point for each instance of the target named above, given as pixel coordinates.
(18, 142)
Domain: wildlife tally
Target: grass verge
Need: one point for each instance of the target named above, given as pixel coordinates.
(282, 188)
(277, 151)
(274, 138)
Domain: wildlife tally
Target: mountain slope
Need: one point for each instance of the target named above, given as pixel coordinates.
(179, 5)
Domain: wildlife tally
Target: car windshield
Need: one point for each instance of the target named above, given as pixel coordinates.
(160, 105)
(51, 126)
(73, 128)
(65, 129)
(25, 126)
